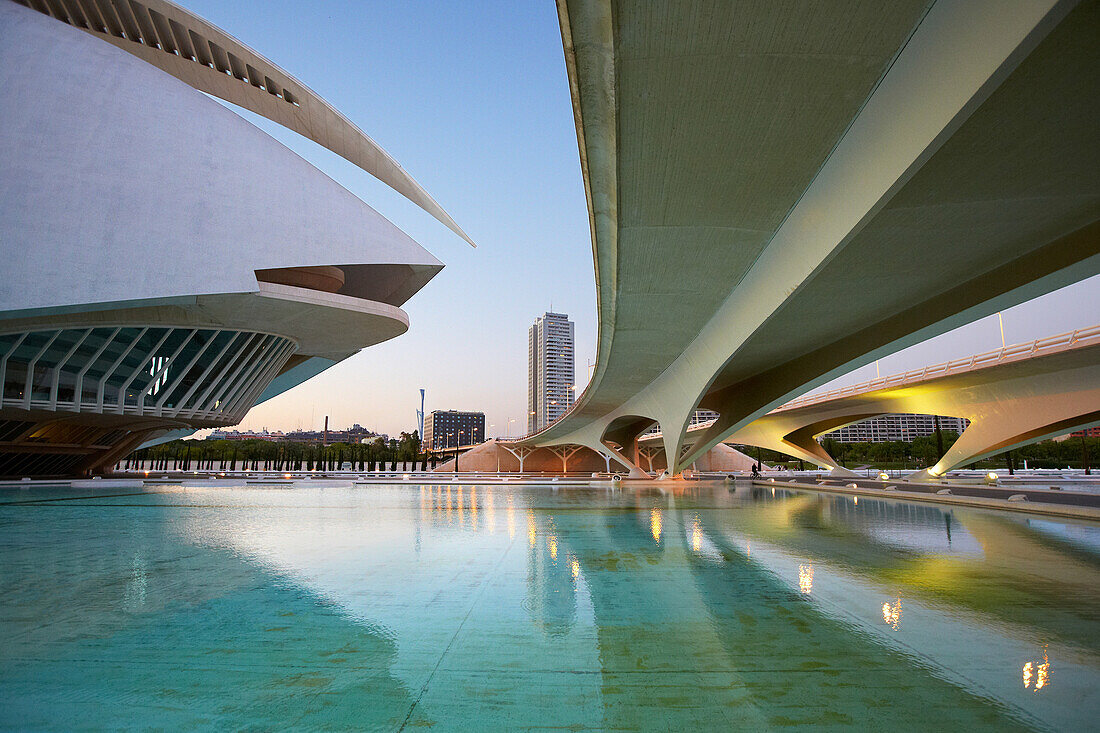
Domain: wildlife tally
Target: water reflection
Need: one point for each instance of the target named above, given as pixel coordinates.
(806, 578)
(1037, 672)
(891, 613)
(681, 595)
(511, 513)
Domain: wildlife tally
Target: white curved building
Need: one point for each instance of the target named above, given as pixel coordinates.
(166, 263)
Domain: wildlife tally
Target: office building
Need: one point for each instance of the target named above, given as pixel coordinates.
(551, 377)
(900, 427)
(450, 428)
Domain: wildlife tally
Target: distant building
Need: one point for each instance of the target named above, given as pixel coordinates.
(895, 427)
(450, 428)
(355, 434)
(246, 435)
(1086, 433)
(699, 417)
(551, 377)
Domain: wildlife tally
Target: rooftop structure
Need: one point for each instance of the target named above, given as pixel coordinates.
(167, 264)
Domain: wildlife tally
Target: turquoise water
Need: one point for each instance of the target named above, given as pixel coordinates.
(509, 607)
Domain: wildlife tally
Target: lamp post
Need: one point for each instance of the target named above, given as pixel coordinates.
(457, 444)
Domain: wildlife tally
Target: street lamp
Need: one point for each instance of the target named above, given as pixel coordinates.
(460, 432)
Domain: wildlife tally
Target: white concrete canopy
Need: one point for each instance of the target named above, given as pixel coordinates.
(200, 54)
(778, 197)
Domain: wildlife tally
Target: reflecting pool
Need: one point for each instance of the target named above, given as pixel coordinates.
(505, 607)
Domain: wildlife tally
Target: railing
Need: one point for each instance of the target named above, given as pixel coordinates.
(1016, 352)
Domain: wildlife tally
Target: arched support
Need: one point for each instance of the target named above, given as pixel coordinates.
(998, 434)
(520, 452)
(623, 431)
(649, 453)
(565, 452)
(802, 444)
(611, 451)
(709, 437)
(673, 433)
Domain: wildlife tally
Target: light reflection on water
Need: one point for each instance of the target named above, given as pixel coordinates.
(376, 606)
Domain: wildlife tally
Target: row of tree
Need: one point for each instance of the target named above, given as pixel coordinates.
(1075, 452)
(263, 455)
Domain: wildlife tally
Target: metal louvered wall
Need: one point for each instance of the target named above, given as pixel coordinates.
(194, 375)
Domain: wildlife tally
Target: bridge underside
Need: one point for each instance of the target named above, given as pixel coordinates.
(772, 209)
(1009, 405)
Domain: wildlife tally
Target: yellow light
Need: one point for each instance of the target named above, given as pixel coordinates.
(552, 543)
(1039, 674)
(883, 476)
(1043, 677)
(855, 500)
(575, 567)
(806, 578)
(532, 530)
(696, 535)
(511, 513)
(991, 476)
(285, 475)
(655, 524)
(891, 614)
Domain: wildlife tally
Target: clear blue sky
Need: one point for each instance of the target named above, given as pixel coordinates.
(473, 100)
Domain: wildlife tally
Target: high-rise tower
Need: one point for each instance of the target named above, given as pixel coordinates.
(551, 378)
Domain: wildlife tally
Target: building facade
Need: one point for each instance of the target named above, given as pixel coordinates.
(451, 428)
(551, 376)
(167, 264)
(896, 427)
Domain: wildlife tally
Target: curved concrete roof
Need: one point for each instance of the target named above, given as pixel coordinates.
(779, 197)
(207, 58)
(160, 192)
